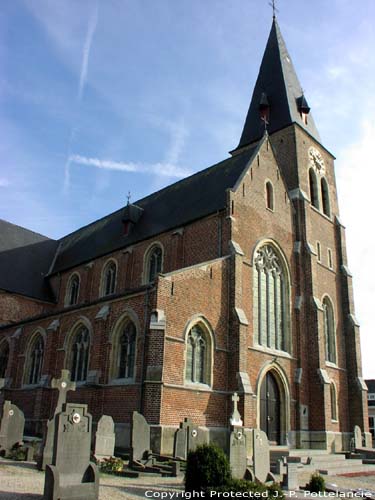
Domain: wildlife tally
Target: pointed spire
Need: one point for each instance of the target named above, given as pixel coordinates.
(277, 86)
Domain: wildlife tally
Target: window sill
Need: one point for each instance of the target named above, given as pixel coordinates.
(269, 350)
(197, 386)
(333, 421)
(318, 211)
(331, 364)
(122, 381)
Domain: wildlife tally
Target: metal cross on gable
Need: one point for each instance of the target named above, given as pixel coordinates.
(274, 9)
(63, 385)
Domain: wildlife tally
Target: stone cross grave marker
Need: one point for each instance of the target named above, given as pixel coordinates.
(105, 438)
(71, 474)
(357, 437)
(63, 385)
(261, 455)
(235, 419)
(11, 427)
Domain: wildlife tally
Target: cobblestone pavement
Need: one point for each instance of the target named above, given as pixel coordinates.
(22, 481)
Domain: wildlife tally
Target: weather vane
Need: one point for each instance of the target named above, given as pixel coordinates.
(274, 9)
(128, 197)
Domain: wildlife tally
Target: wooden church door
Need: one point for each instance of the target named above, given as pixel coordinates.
(270, 408)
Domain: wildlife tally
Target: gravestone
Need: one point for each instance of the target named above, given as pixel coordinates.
(11, 427)
(139, 438)
(63, 385)
(71, 474)
(187, 438)
(290, 479)
(105, 438)
(357, 437)
(235, 419)
(261, 455)
(238, 453)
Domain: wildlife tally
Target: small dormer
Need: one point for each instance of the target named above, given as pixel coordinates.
(303, 108)
(132, 214)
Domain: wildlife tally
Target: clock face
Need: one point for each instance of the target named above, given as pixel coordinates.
(316, 160)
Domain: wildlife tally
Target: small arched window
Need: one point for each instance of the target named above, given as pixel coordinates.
(109, 279)
(313, 183)
(4, 358)
(329, 331)
(79, 355)
(325, 197)
(269, 196)
(72, 290)
(271, 299)
(197, 356)
(126, 351)
(154, 263)
(35, 361)
(333, 401)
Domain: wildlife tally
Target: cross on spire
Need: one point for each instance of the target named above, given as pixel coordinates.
(129, 197)
(63, 385)
(272, 4)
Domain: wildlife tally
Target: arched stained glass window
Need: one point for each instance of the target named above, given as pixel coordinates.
(329, 331)
(197, 369)
(35, 361)
(73, 290)
(4, 358)
(154, 263)
(80, 348)
(313, 183)
(271, 298)
(109, 279)
(126, 351)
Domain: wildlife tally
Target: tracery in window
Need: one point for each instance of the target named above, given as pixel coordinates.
(35, 361)
(197, 356)
(329, 331)
(72, 290)
(154, 263)
(4, 358)
(271, 297)
(313, 184)
(79, 356)
(109, 278)
(126, 351)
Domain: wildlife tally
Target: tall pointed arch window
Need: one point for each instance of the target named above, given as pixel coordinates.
(269, 196)
(154, 263)
(72, 290)
(79, 354)
(333, 395)
(271, 299)
(35, 361)
(325, 197)
(329, 331)
(109, 279)
(313, 184)
(198, 355)
(4, 358)
(126, 351)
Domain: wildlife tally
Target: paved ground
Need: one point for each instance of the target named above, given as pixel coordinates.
(22, 481)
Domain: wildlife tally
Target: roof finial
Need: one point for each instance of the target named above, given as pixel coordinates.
(274, 9)
(128, 197)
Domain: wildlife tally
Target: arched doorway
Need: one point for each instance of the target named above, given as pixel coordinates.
(270, 408)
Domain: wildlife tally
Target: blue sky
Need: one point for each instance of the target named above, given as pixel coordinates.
(99, 98)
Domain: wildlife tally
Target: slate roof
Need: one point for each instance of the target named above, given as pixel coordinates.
(185, 201)
(278, 79)
(25, 258)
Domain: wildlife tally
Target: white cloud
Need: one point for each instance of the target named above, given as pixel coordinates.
(356, 180)
(93, 21)
(163, 169)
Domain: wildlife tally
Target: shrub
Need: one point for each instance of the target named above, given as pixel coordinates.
(241, 485)
(18, 452)
(317, 483)
(111, 465)
(206, 467)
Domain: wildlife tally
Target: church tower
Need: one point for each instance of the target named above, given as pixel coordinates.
(330, 395)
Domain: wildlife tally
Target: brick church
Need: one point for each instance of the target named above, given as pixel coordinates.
(233, 279)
